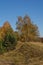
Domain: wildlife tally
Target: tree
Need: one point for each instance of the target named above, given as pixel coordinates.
(27, 30)
(9, 41)
(7, 38)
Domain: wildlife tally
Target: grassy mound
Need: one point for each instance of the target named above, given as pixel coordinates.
(27, 53)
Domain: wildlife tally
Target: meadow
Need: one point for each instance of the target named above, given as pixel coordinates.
(25, 53)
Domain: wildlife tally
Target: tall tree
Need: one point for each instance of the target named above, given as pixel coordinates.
(27, 30)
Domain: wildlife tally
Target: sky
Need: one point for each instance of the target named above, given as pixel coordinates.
(11, 9)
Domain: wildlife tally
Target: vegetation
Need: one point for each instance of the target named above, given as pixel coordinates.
(26, 53)
(26, 29)
(7, 38)
(23, 44)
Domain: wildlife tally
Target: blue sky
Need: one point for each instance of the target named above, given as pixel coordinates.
(11, 9)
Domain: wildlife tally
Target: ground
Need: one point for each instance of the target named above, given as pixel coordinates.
(26, 53)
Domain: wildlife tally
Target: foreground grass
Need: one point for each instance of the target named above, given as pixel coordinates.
(26, 53)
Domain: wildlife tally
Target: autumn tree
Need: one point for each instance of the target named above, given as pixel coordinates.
(7, 37)
(27, 30)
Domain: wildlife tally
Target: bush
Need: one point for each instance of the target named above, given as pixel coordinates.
(9, 42)
(1, 47)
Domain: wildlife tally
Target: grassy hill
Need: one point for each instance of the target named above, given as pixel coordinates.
(26, 53)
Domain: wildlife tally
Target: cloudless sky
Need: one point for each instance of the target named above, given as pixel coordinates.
(11, 9)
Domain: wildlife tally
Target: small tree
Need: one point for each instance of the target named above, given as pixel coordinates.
(7, 38)
(10, 41)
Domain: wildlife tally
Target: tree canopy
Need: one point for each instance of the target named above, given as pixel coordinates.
(27, 30)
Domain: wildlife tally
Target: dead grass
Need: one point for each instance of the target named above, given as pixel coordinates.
(26, 53)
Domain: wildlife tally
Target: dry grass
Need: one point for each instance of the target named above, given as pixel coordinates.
(26, 53)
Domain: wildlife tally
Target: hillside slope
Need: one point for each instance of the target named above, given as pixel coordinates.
(27, 53)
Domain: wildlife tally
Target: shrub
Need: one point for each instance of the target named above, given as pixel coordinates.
(9, 42)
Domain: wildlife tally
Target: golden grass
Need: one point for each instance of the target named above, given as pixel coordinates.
(26, 53)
